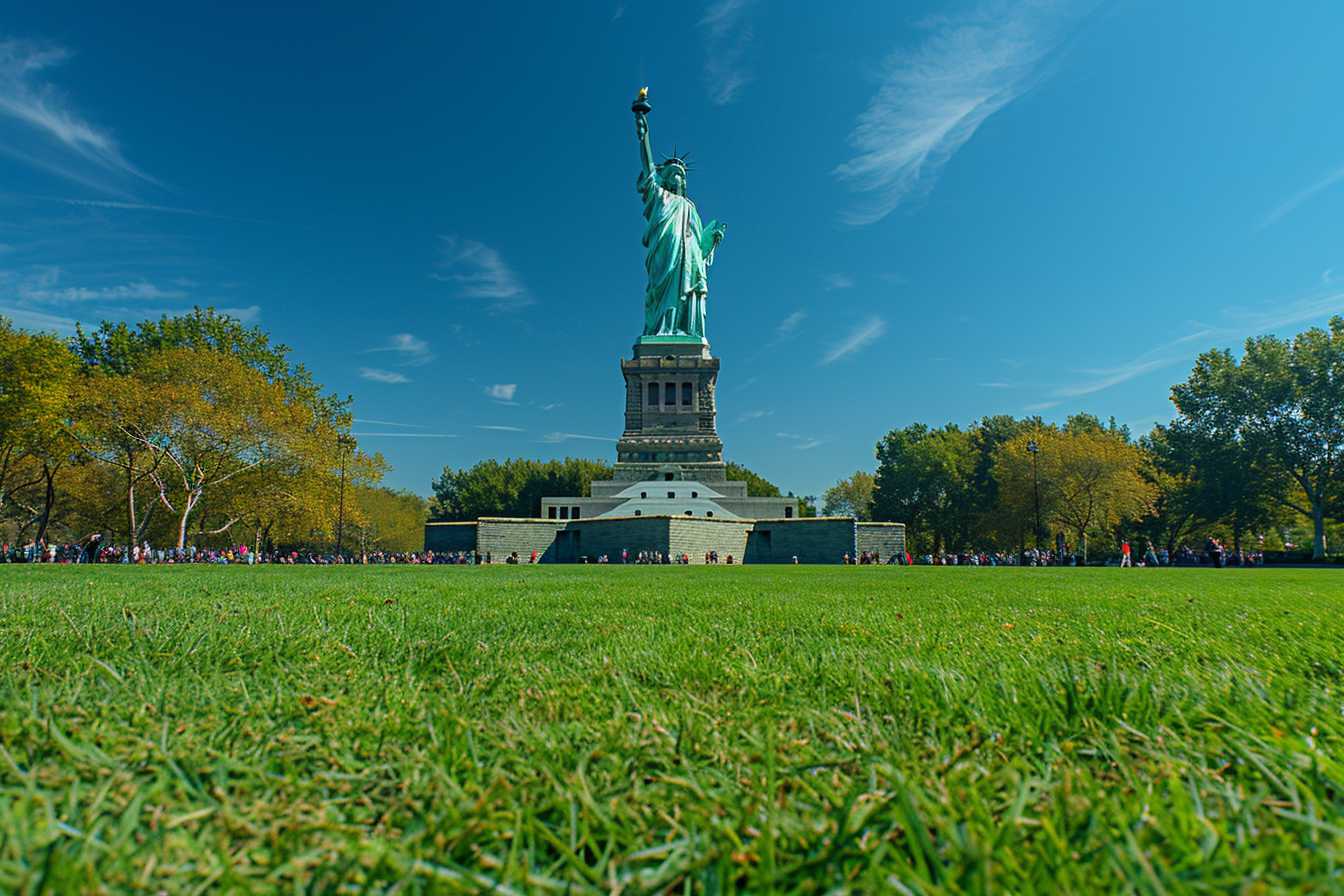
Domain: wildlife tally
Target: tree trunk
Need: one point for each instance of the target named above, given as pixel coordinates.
(1082, 543)
(130, 505)
(49, 499)
(187, 505)
(1318, 523)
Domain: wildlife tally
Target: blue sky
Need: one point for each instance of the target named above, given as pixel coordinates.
(935, 211)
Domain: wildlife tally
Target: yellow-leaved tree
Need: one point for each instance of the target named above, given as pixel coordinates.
(1089, 478)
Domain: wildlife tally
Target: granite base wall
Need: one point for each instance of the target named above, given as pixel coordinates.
(813, 540)
(500, 537)
(443, 538)
(696, 536)
(611, 536)
(884, 538)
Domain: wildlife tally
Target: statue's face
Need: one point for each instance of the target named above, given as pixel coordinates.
(675, 181)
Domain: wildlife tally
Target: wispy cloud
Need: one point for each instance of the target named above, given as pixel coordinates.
(789, 325)
(569, 436)
(480, 273)
(30, 99)
(368, 421)
(498, 428)
(502, 391)
(135, 290)
(406, 435)
(754, 415)
(29, 319)
(934, 96)
(1041, 405)
(378, 375)
(729, 35)
(839, 281)
(996, 385)
(1241, 324)
(801, 442)
(412, 351)
(861, 336)
(1293, 201)
(1105, 378)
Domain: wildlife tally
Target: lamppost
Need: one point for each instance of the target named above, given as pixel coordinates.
(1035, 449)
(344, 443)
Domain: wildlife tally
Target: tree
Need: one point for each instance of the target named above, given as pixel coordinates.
(1176, 503)
(851, 496)
(222, 420)
(512, 487)
(119, 348)
(757, 486)
(990, 524)
(924, 480)
(115, 421)
(1285, 404)
(1089, 478)
(390, 520)
(36, 375)
(1220, 484)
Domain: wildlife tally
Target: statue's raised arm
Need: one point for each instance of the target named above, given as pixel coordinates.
(641, 108)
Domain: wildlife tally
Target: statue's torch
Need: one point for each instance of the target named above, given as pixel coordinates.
(641, 104)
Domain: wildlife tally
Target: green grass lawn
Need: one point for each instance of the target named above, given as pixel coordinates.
(712, 729)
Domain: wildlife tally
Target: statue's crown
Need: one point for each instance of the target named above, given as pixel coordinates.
(676, 161)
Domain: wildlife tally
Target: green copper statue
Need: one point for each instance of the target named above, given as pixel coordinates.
(679, 250)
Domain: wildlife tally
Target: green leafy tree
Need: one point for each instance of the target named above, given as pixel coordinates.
(757, 485)
(851, 496)
(1284, 403)
(992, 525)
(924, 479)
(512, 487)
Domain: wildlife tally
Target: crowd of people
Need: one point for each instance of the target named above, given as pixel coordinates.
(94, 550)
(1214, 554)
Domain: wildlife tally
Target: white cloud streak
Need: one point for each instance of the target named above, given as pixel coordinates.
(729, 35)
(28, 98)
(406, 435)
(136, 290)
(1292, 202)
(1243, 324)
(569, 436)
(860, 337)
(378, 375)
(480, 273)
(388, 423)
(411, 349)
(38, 321)
(502, 391)
(935, 96)
(498, 428)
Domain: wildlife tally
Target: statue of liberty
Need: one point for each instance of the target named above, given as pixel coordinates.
(678, 249)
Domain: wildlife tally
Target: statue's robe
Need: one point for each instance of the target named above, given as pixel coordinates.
(678, 252)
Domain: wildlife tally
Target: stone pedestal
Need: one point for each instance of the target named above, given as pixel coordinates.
(670, 429)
